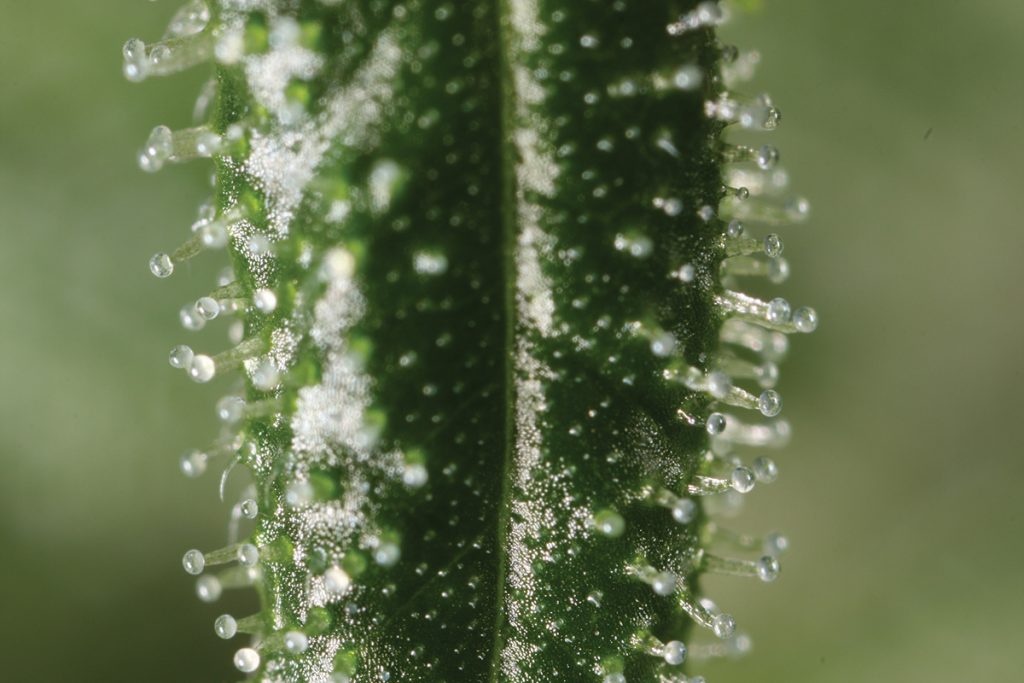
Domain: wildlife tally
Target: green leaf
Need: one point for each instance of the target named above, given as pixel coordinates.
(478, 251)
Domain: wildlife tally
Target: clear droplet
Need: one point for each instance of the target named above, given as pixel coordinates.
(674, 653)
(158, 149)
(191, 319)
(734, 229)
(768, 375)
(805, 319)
(609, 523)
(723, 625)
(778, 311)
(775, 544)
(684, 510)
(135, 60)
(190, 19)
(768, 568)
(265, 377)
(247, 660)
(180, 357)
(769, 403)
(299, 493)
(415, 475)
(230, 409)
(765, 470)
(430, 262)
(202, 369)
(193, 463)
(663, 344)
(249, 508)
(295, 642)
(194, 561)
(773, 246)
(742, 479)
(634, 244)
(258, 245)
(161, 265)
(778, 270)
(387, 554)
(214, 235)
(715, 424)
(207, 143)
(718, 384)
(248, 555)
(686, 273)
(664, 583)
(767, 157)
(336, 581)
(225, 626)
(208, 588)
(208, 308)
(264, 300)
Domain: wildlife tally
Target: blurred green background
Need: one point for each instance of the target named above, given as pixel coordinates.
(900, 492)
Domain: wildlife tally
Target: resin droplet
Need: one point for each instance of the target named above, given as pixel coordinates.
(208, 308)
(337, 581)
(778, 311)
(742, 479)
(249, 508)
(609, 523)
(767, 568)
(765, 470)
(299, 493)
(387, 554)
(191, 319)
(193, 463)
(295, 642)
(247, 660)
(775, 544)
(684, 510)
(264, 300)
(230, 409)
(202, 369)
(773, 246)
(248, 555)
(664, 583)
(161, 265)
(180, 357)
(805, 319)
(674, 653)
(723, 625)
(225, 626)
(208, 588)
(769, 403)
(265, 377)
(158, 149)
(715, 424)
(767, 157)
(193, 562)
(135, 60)
(414, 475)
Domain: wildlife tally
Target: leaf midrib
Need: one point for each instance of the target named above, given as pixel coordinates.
(509, 224)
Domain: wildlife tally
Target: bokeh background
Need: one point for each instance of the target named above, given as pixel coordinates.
(901, 492)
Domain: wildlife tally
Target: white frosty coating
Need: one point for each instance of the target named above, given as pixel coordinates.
(329, 424)
(283, 162)
(329, 429)
(268, 75)
(536, 173)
